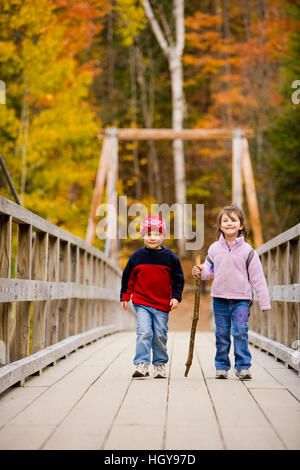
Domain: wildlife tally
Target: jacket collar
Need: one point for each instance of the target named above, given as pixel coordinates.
(237, 241)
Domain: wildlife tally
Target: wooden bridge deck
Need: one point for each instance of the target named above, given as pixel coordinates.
(89, 401)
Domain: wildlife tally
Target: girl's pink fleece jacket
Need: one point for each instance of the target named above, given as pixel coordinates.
(230, 273)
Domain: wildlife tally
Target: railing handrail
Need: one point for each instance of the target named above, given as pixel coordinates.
(22, 215)
(278, 331)
(65, 291)
(279, 239)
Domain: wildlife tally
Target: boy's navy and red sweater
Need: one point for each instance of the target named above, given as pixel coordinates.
(152, 277)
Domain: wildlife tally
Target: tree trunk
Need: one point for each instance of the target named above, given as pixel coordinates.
(154, 180)
(227, 58)
(137, 171)
(173, 50)
(178, 151)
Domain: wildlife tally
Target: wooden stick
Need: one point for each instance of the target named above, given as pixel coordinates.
(195, 320)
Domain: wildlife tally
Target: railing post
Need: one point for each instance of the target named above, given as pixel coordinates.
(5, 266)
(89, 302)
(73, 328)
(52, 305)
(39, 273)
(285, 274)
(23, 308)
(264, 316)
(64, 276)
(82, 280)
(272, 275)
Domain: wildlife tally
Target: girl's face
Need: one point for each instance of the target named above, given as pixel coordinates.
(230, 225)
(153, 240)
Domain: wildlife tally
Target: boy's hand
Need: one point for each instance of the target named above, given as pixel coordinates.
(174, 303)
(124, 305)
(196, 271)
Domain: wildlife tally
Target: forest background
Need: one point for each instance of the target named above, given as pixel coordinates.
(71, 68)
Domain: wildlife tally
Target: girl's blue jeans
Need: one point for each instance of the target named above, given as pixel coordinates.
(152, 334)
(231, 314)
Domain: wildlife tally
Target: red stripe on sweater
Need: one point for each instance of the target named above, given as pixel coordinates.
(150, 284)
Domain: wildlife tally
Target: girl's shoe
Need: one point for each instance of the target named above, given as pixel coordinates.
(141, 370)
(160, 371)
(243, 374)
(221, 374)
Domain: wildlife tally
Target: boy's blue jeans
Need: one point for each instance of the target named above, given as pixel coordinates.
(152, 329)
(235, 313)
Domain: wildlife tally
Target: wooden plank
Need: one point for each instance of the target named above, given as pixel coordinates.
(283, 411)
(5, 245)
(280, 239)
(52, 305)
(23, 437)
(19, 370)
(64, 276)
(88, 424)
(39, 272)
(261, 378)
(278, 350)
(170, 134)
(23, 308)
(140, 422)
(15, 400)
(82, 279)
(191, 421)
(17, 290)
(70, 361)
(288, 379)
(5, 267)
(73, 314)
(47, 412)
(242, 423)
(265, 359)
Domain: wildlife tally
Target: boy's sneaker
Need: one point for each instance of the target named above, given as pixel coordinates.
(160, 371)
(243, 374)
(221, 374)
(141, 370)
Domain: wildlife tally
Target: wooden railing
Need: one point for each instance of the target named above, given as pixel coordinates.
(278, 330)
(60, 287)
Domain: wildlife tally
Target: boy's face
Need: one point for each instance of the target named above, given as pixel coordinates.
(153, 240)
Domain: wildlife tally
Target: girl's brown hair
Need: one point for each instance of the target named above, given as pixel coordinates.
(228, 210)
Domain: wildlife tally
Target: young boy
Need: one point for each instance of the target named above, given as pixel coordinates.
(153, 277)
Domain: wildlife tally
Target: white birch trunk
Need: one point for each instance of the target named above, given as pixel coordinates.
(173, 51)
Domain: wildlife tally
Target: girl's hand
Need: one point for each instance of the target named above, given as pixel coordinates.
(174, 303)
(196, 271)
(124, 305)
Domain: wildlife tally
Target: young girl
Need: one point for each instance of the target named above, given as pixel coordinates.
(231, 290)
